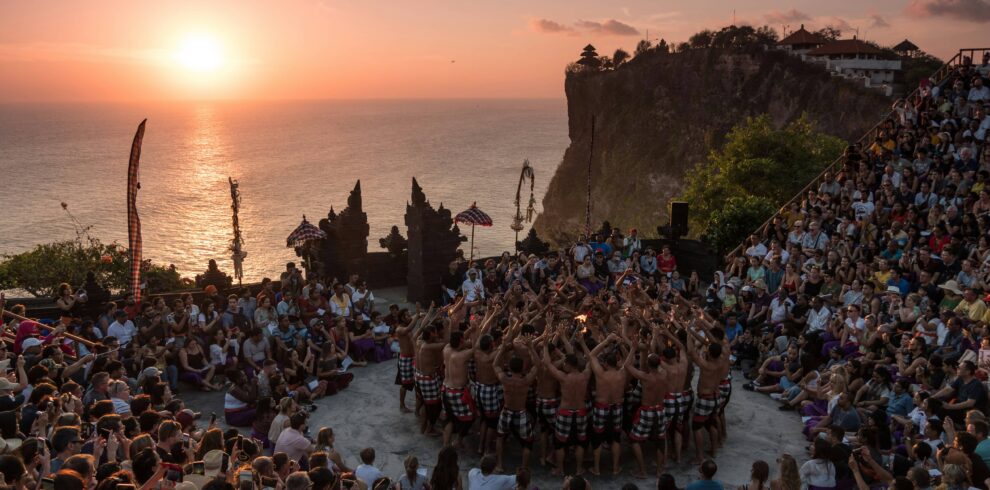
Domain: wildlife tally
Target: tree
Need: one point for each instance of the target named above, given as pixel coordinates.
(829, 32)
(739, 216)
(642, 46)
(758, 160)
(41, 270)
(662, 46)
(589, 57)
(701, 39)
(619, 57)
(917, 68)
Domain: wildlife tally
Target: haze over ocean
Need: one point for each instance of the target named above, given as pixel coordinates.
(291, 158)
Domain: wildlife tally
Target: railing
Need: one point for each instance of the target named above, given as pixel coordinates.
(914, 98)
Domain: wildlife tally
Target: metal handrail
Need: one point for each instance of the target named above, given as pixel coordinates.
(914, 97)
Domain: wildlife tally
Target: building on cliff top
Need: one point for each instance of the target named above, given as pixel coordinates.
(857, 60)
(801, 41)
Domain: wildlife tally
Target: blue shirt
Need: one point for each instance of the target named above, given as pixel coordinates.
(705, 485)
(732, 331)
(899, 404)
(605, 248)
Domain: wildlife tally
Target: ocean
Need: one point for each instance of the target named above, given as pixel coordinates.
(290, 158)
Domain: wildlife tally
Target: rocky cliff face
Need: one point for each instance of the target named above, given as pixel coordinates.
(659, 115)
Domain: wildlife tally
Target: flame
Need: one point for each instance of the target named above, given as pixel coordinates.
(581, 318)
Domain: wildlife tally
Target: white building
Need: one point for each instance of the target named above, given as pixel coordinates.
(857, 60)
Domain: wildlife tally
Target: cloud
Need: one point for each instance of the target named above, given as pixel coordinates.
(878, 22)
(547, 26)
(840, 24)
(610, 27)
(968, 10)
(792, 15)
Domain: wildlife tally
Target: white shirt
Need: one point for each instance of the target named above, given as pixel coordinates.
(580, 252)
(473, 290)
(124, 333)
(818, 319)
(779, 309)
(368, 473)
(758, 250)
(478, 481)
(818, 472)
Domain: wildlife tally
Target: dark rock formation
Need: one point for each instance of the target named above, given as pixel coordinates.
(345, 248)
(660, 114)
(433, 242)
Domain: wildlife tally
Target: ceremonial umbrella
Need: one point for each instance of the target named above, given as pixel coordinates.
(303, 234)
(474, 216)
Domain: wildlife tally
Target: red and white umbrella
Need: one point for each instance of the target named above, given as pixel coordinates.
(303, 233)
(475, 217)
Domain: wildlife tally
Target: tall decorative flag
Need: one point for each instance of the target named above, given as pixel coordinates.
(133, 221)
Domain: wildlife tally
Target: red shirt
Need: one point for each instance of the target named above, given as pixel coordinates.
(668, 264)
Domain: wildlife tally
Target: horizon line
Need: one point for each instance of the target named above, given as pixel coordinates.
(213, 101)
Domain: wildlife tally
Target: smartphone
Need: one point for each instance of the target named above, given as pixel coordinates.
(47, 483)
(172, 472)
(105, 433)
(245, 475)
(198, 468)
(87, 430)
(269, 482)
(185, 438)
(213, 418)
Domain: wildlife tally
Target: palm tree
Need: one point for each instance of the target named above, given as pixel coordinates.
(619, 57)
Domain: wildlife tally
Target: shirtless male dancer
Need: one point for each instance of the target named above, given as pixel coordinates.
(650, 422)
(488, 391)
(677, 404)
(428, 379)
(457, 400)
(514, 419)
(610, 388)
(405, 375)
(707, 401)
(547, 403)
(571, 425)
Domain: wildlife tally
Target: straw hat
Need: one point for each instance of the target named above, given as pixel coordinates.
(9, 445)
(951, 286)
(212, 461)
(894, 290)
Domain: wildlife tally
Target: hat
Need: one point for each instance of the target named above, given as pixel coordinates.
(9, 445)
(746, 289)
(6, 384)
(894, 290)
(212, 462)
(952, 286)
(759, 284)
(29, 343)
(799, 223)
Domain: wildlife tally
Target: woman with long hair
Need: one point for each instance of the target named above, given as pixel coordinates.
(196, 367)
(818, 473)
(789, 478)
(324, 442)
(446, 474)
(411, 479)
(759, 474)
(212, 439)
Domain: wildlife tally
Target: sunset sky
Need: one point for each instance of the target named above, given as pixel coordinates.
(101, 50)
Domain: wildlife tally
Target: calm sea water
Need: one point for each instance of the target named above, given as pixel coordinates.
(290, 159)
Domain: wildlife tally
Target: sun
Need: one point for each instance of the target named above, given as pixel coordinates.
(200, 53)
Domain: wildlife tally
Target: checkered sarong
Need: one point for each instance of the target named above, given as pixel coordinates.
(546, 409)
(571, 425)
(489, 398)
(428, 387)
(458, 404)
(517, 423)
(649, 421)
(724, 392)
(606, 417)
(705, 406)
(405, 374)
(677, 405)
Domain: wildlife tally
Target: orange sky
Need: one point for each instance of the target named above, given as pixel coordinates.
(102, 50)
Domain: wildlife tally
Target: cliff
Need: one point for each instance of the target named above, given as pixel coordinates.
(659, 115)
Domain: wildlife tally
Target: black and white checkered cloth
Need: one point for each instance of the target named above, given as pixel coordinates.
(650, 422)
(546, 409)
(705, 406)
(724, 392)
(571, 425)
(606, 417)
(405, 374)
(428, 387)
(517, 423)
(458, 404)
(489, 398)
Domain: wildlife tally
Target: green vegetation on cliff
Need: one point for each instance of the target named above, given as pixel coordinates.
(758, 169)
